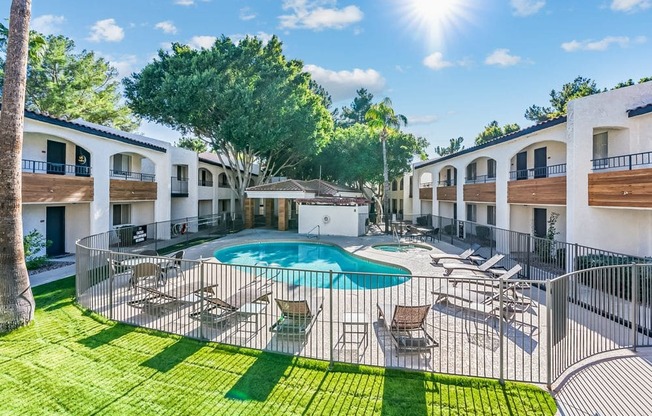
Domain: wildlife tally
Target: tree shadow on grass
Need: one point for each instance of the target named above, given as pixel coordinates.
(106, 335)
(261, 377)
(170, 356)
(404, 393)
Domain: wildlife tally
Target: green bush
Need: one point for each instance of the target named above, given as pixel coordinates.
(448, 229)
(483, 233)
(33, 244)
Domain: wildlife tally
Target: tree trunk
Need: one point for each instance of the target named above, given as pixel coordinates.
(385, 184)
(16, 300)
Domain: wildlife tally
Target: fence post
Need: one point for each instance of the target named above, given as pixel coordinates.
(111, 277)
(330, 295)
(187, 230)
(201, 297)
(633, 304)
(501, 329)
(528, 247)
(549, 325)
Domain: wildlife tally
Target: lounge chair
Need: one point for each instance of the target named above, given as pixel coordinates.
(450, 267)
(495, 274)
(144, 271)
(406, 325)
(175, 264)
(465, 255)
(297, 316)
(157, 301)
(217, 310)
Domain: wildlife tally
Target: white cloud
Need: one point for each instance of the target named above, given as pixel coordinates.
(600, 45)
(630, 5)
(501, 57)
(48, 24)
(343, 84)
(247, 14)
(184, 2)
(125, 65)
(265, 37)
(527, 7)
(199, 42)
(422, 119)
(166, 26)
(312, 15)
(436, 61)
(106, 30)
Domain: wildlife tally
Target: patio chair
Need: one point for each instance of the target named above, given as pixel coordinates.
(116, 270)
(146, 270)
(495, 274)
(297, 316)
(465, 255)
(413, 233)
(217, 310)
(157, 301)
(406, 325)
(175, 264)
(450, 267)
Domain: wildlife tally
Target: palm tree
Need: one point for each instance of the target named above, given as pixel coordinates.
(382, 117)
(16, 299)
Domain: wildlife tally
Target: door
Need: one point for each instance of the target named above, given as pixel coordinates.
(540, 222)
(82, 162)
(541, 162)
(521, 165)
(56, 158)
(55, 230)
(449, 181)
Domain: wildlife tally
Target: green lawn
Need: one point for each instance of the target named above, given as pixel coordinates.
(72, 362)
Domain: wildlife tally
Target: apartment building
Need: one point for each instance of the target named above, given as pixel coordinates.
(81, 178)
(592, 168)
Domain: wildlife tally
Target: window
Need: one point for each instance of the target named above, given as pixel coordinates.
(121, 214)
(491, 168)
(121, 164)
(491, 215)
(600, 150)
(182, 172)
(394, 204)
(223, 182)
(400, 185)
(205, 177)
(400, 206)
(394, 186)
(471, 172)
(410, 187)
(471, 212)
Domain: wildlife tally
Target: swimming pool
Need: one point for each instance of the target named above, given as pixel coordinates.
(402, 248)
(315, 257)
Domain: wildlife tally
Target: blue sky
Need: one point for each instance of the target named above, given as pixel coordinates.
(450, 66)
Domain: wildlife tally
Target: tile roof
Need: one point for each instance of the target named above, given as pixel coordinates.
(639, 110)
(212, 159)
(334, 201)
(316, 186)
(103, 131)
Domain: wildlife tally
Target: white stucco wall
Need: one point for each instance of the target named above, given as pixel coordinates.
(343, 220)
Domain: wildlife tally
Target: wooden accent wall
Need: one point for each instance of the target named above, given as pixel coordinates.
(447, 193)
(282, 214)
(269, 211)
(425, 193)
(121, 190)
(545, 191)
(624, 188)
(44, 188)
(248, 213)
(480, 192)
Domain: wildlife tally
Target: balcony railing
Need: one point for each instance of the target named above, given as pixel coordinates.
(480, 179)
(132, 176)
(534, 173)
(447, 182)
(204, 182)
(425, 185)
(623, 162)
(179, 186)
(38, 166)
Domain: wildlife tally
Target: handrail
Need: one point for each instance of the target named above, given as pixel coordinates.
(447, 182)
(34, 166)
(134, 176)
(480, 179)
(535, 173)
(623, 161)
(313, 229)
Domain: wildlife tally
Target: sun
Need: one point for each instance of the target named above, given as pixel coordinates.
(433, 20)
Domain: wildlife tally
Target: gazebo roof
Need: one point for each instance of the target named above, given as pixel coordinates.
(317, 187)
(333, 201)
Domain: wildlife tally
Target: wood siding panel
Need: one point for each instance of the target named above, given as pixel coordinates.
(626, 188)
(480, 192)
(46, 188)
(542, 191)
(121, 190)
(425, 193)
(447, 193)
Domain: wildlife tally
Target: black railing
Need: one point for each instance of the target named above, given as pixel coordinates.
(205, 182)
(542, 172)
(425, 185)
(447, 182)
(480, 179)
(179, 186)
(623, 162)
(35, 166)
(132, 176)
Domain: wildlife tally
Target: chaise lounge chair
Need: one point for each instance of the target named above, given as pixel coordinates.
(297, 316)
(217, 310)
(450, 267)
(495, 274)
(465, 255)
(158, 301)
(406, 325)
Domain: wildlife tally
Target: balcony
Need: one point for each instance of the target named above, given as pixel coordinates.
(132, 176)
(425, 191)
(447, 190)
(538, 186)
(204, 182)
(46, 182)
(179, 186)
(480, 189)
(625, 181)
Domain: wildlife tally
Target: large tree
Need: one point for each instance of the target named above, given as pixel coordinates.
(356, 112)
(253, 106)
(454, 147)
(16, 300)
(493, 131)
(195, 144)
(382, 118)
(70, 85)
(580, 87)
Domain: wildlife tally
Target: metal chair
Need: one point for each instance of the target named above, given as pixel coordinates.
(175, 264)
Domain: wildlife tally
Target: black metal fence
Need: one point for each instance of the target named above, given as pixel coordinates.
(623, 162)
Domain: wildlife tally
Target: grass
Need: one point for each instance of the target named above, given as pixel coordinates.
(70, 361)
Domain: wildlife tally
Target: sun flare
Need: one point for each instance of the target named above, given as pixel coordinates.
(433, 20)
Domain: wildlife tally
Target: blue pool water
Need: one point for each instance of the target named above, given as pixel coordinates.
(306, 257)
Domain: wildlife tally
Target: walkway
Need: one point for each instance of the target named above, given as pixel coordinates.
(615, 383)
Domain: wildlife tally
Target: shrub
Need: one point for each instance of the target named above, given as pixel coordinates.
(483, 233)
(34, 243)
